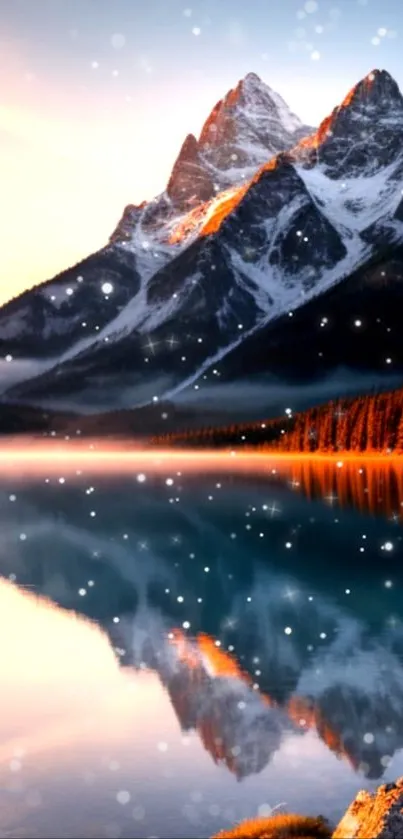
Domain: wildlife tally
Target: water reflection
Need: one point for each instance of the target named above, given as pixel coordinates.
(372, 486)
(233, 605)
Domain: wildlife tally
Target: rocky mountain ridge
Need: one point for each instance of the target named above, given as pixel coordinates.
(180, 293)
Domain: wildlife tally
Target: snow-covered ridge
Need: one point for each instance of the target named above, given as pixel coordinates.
(157, 232)
(244, 130)
(249, 251)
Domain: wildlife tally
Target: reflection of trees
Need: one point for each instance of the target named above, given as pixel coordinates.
(370, 486)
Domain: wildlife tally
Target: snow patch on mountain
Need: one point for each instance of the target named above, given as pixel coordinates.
(287, 118)
(356, 202)
(265, 126)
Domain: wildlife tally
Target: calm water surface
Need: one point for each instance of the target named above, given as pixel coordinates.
(182, 651)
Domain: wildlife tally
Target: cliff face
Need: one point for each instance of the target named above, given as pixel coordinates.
(378, 816)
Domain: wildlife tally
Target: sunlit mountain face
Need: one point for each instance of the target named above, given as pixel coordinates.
(268, 605)
(252, 270)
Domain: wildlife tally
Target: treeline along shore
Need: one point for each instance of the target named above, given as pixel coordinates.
(372, 424)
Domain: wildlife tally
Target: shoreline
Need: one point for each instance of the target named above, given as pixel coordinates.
(110, 457)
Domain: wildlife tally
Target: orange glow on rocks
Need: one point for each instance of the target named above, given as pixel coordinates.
(365, 85)
(314, 141)
(207, 218)
(222, 206)
(188, 224)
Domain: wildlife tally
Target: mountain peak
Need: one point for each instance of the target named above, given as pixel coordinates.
(251, 82)
(375, 97)
(249, 125)
(362, 132)
(252, 77)
(250, 99)
(378, 86)
(361, 136)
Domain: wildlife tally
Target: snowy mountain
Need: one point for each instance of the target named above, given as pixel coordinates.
(74, 304)
(221, 256)
(339, 684)
(251, 124)
(245, 128)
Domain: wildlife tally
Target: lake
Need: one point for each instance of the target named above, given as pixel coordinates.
(187, 644)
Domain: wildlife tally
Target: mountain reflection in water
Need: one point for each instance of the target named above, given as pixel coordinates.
(267, 608)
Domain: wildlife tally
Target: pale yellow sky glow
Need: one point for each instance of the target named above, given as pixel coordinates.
(70, 161)
(66, 177)
(65, 181)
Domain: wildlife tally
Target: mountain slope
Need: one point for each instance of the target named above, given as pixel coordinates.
(67, 312)
(304, 222)
(214, 291)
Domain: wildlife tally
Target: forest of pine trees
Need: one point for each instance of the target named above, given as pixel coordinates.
(372, 423)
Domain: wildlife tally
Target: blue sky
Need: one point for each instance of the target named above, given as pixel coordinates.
(97, 96)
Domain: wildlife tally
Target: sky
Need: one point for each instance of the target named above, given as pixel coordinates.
(98, 95)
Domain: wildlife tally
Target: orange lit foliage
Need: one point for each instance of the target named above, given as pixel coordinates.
(371, 485)
(372, 423)
(279, 826)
